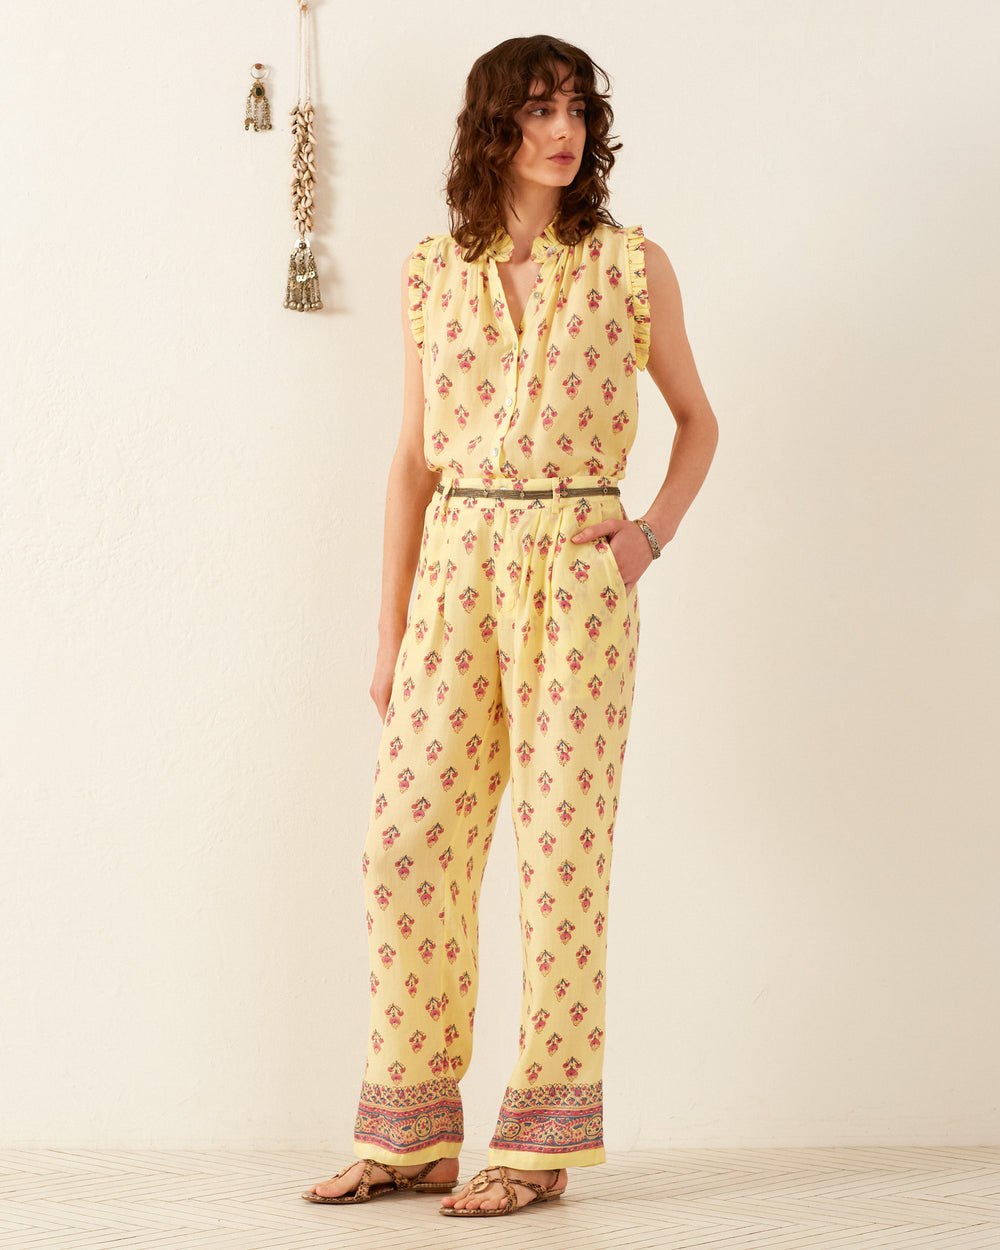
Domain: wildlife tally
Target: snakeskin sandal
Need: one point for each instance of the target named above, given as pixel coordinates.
(397, 1183)
(509, 1206)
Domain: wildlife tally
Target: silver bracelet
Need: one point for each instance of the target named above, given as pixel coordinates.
(654, 546)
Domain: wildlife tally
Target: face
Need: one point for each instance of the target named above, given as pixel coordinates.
(554, 130)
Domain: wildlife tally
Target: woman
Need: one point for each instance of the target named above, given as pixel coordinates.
(524, 331)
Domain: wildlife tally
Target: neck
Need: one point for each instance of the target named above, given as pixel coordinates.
(530, 211)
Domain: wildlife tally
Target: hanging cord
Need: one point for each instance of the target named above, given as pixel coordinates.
(305, 54)
(303, 285)
(303, 138)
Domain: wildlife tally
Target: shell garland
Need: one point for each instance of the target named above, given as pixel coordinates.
(304, 164)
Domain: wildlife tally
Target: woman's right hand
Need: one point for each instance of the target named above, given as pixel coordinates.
(385, 665)
(409, 491)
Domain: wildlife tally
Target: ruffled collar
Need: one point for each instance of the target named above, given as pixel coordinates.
(547, 244)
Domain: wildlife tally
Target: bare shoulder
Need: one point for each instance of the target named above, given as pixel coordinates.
(658, 266)
(661, 280)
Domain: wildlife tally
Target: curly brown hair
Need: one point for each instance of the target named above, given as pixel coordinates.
(487, 136)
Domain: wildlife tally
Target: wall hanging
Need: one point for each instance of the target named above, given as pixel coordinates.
(303, 284)
(258, 106)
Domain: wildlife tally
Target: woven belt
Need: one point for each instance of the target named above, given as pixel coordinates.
(485, 492)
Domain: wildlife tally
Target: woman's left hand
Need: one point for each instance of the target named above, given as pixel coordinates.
(628, 543)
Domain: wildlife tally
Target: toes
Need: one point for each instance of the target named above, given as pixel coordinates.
(338, 1186)
(461, 1201)
(331, 1189)
(475, 1203)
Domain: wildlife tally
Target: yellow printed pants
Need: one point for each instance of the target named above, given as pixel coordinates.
(517, 666)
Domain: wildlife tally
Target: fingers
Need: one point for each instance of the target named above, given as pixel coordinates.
(380, 695)
(600, 529)
(380, 689)
(628, 546)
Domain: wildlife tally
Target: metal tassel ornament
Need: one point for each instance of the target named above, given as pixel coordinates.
(303, 284)
(303, 294)
(258, 106)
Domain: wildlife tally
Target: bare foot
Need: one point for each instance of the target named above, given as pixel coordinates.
(444, 1170)
(491, 1196)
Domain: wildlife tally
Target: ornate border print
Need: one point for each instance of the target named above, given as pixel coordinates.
(552, 1119)
(406, 1118)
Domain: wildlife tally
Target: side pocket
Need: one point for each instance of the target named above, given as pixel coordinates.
(613, 573)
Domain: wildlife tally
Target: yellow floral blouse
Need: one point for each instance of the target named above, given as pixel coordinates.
(553, 398)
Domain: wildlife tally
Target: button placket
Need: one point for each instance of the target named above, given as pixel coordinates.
(545, 253)
(510, 338)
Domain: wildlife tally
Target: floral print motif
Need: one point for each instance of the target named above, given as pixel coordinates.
(517, 668)
(505, 401)
(511, 689)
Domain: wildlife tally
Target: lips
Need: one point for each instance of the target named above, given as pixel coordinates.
(563, 158)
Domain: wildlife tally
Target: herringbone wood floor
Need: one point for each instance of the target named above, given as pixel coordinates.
(764, 1199)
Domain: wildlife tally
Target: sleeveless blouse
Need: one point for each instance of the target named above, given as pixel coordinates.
(555, 397)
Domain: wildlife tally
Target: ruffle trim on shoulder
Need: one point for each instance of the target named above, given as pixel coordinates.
(638, 294)
(417, 288)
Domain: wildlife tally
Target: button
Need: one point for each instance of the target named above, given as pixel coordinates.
(507, 403)
(494, 451)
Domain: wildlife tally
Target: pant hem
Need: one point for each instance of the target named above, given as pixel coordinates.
(426, 1154)
(558, 1159)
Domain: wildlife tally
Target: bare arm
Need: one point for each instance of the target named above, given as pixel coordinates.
(410, 487)
(671, 366)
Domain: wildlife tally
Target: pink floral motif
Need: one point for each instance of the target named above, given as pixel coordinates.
(504, 676)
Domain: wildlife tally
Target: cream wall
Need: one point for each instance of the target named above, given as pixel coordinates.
(806, 934)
